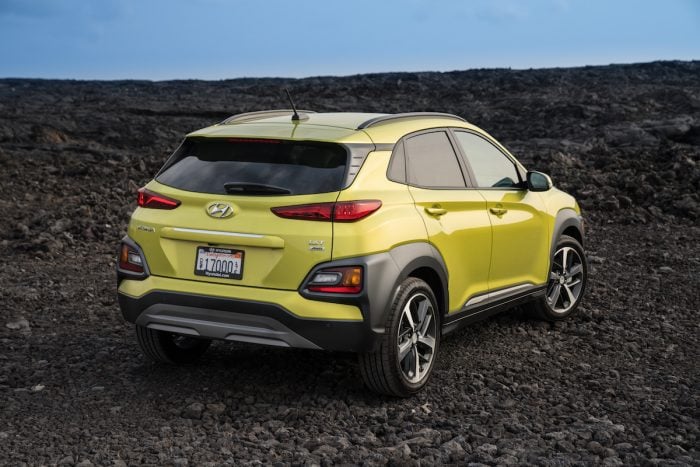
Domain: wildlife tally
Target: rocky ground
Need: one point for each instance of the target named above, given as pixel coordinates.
(617, 384)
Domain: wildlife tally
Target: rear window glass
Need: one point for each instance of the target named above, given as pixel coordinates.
(208, 165)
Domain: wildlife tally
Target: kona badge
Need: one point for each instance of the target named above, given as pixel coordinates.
(317, 245)
(219, 210)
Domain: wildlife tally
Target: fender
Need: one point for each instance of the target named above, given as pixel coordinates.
(566, 218)
(418, 255)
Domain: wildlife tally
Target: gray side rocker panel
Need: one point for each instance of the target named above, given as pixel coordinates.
(383, 274)
(490, 304)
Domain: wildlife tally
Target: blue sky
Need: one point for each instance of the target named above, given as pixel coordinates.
(217, 39)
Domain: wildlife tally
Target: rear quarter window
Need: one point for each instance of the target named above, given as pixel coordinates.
(205, 165)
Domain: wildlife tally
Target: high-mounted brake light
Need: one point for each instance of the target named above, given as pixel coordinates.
(148, 199)
(343, 280)
(254, 140)
(342, 211)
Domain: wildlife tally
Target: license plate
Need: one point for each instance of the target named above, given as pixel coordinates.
(219, 262)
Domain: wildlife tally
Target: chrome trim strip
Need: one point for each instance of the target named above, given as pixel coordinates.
(215, 232)
(476, 300)
(493, 296)
(509, 290)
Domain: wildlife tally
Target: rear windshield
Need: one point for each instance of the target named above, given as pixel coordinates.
(207, 165)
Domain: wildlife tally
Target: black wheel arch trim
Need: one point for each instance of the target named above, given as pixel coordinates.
(566, 218)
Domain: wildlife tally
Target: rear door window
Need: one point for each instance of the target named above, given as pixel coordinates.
(431, 161)
(208, 165)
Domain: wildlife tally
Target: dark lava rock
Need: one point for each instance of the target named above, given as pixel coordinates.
(616, 384)
(193, 411)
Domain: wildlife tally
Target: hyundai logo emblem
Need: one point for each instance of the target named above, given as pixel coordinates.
(219, 210)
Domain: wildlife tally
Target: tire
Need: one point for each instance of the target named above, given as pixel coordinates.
(408, 338)
(166, 347)
(566, 285)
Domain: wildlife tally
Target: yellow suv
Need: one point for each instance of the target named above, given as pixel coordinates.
(370, 233)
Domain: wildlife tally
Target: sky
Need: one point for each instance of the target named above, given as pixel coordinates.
(220, 39)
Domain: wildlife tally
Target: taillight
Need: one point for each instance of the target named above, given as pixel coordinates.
(350, 211)
(130, 259)
(342, 211)
(345, 280)
(311, 212)
(148, 199)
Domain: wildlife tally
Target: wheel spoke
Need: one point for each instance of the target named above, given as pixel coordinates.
(572, 297)
(575, 269)
(425, 325)
(422, 311)
(416, 373)
(553, 276)
(564, 254)
(554, 295)
(404, 348)
(409, 315)
(428, 341)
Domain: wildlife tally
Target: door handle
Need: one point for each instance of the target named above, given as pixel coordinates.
(436, 211)
(498, 211)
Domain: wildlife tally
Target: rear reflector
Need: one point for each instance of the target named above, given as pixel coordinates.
(342, 211)
(130, 259)
(149, 199)
(345, 280)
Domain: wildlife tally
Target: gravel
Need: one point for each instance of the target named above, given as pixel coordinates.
(617, 384)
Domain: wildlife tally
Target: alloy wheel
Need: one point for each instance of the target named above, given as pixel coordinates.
(416, 338)
(565, 280)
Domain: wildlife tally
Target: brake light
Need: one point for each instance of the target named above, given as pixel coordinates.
(351, 211)
(342, 211)
(346, 280)
(148, 199)
(254, 140)
(310, 212)
(130, 259)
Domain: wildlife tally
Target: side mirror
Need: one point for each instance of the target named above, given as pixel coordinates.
(537, 181)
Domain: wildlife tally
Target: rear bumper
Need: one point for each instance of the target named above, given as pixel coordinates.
(245, 321)
(288, 318)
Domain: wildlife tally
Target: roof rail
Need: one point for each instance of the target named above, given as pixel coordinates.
(250, 116)
(385, 118)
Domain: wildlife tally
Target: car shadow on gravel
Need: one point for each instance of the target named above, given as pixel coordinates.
(257, 369)
(282, 374)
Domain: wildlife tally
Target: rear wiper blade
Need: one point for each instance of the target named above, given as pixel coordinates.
(238, 188)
